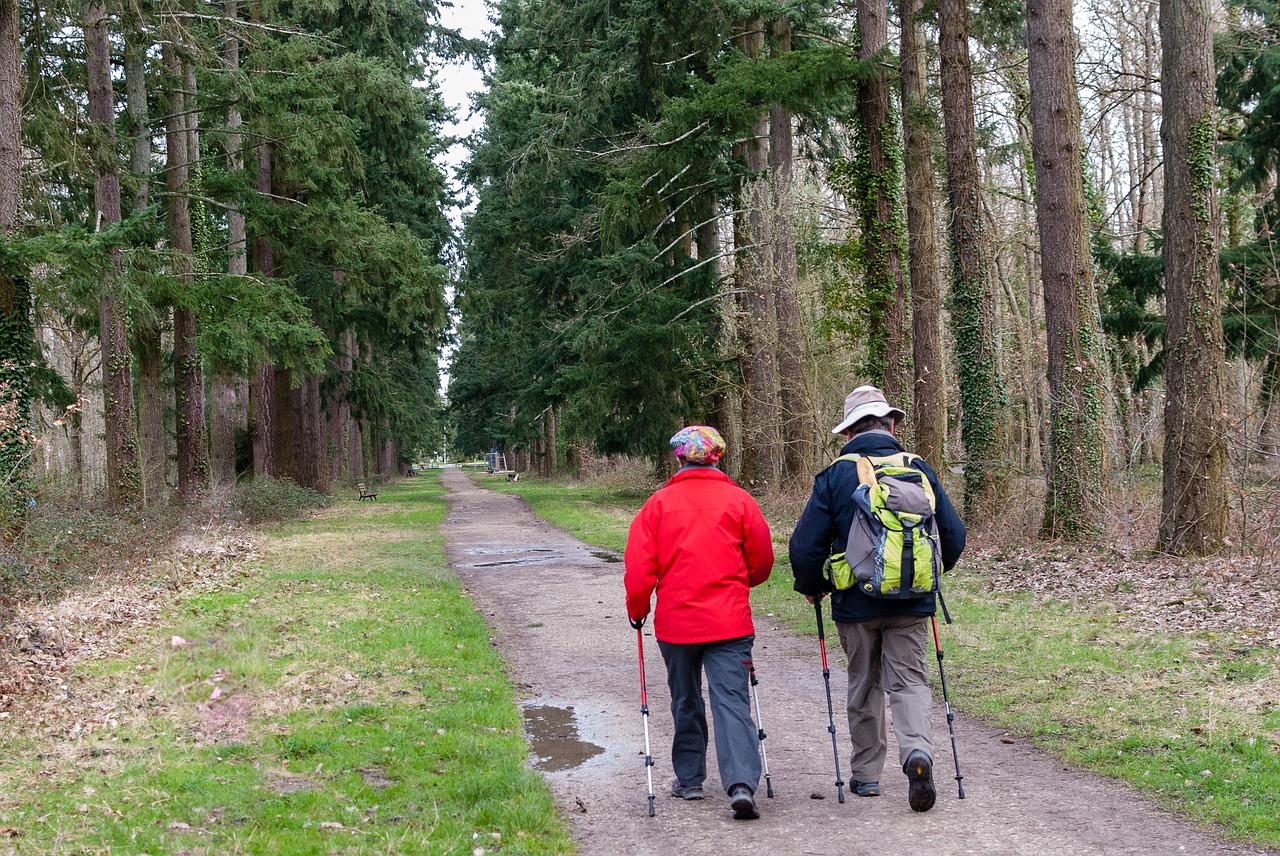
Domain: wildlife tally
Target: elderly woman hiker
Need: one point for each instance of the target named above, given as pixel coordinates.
(702, 543)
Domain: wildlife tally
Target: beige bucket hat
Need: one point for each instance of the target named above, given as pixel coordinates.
(866, 401)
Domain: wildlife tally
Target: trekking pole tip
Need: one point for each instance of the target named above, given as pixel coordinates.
(651, 809)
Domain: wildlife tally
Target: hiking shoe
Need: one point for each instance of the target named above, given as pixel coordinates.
(686, 792)
(742, 803)
(865, 789)
(919, 769)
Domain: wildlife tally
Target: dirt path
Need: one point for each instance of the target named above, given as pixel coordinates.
(556, 608)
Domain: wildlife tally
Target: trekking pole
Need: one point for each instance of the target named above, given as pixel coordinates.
(951, 719)
(644, 712)
(831, 716)
(760, 735)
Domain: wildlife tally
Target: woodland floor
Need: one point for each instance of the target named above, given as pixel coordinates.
(555, 605)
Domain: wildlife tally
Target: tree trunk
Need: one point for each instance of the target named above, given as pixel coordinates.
(226, 413)
(1193, 515)
(879, 186)
(136, 45)
(285, 425)
(929, 416)
(972, 301)
(188, 374)
(224, 418)
(1073, 504)
(797, 430)
(355, 430)
(262, 394)
(549, 430)
(262, 422)
(339, 410)
(762, 439)
(17, 336)
(10, 114)
(123, 481)
(310, 463)
(148, 344)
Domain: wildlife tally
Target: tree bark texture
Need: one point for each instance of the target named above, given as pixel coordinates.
(878, 179)
(797, 427)
(761, 409)
(17, 337)
(285, 426)
(972, 299)
(339, 409)
(929, 415)
(188, 373)
(10, 114)
(262, 421)
(148, 344)
(1073, 504)
(226, 412)
(549, 434)
(262, 386)
(1193, 515)
(355, 429)
(136, 45)
(123, 480)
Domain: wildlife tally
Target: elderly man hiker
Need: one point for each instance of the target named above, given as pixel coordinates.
(885, 640)
(702, 543)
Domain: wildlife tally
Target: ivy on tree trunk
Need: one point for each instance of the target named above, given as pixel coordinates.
(1193, 516)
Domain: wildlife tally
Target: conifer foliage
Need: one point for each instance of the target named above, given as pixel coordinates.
(212, 273)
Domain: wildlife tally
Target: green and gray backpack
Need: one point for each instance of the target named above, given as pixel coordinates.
(892, 549)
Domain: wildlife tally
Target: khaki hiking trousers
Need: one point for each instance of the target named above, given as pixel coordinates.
(887, 655)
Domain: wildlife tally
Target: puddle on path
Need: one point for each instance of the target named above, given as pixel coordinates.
(606, 556)
(495, 551)
(553, 739)
(532, 560)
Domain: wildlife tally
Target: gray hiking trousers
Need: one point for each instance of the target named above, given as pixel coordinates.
(887, 655)
(737, 742)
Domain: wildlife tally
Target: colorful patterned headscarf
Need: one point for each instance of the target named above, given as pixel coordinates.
(698, 444)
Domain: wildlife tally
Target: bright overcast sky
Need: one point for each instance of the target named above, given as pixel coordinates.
(458, 82)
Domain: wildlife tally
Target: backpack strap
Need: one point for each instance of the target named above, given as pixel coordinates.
(866, 470)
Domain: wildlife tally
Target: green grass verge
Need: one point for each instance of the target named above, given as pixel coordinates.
(362, 710)
(1192, 721)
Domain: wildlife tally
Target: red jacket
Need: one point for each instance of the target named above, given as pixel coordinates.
(703, 543)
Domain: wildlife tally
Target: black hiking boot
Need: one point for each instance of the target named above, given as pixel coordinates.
(919, 769)
(865, 789)
(742, 803)
(686, 792)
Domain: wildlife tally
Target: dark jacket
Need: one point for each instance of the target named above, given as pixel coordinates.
(824, 527)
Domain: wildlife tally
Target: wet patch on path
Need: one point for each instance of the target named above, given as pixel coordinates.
(554, 742)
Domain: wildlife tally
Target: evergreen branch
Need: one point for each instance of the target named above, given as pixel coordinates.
(697, 303)
(687, 232)
(253, 25)
(228, 206)
(672, 279)
(701, 126)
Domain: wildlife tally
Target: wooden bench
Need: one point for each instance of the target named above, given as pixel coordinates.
(364, 492)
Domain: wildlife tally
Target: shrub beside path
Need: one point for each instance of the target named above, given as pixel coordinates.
(556, 608)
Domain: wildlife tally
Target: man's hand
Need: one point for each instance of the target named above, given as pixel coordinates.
(637, 623)
(815, 598)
